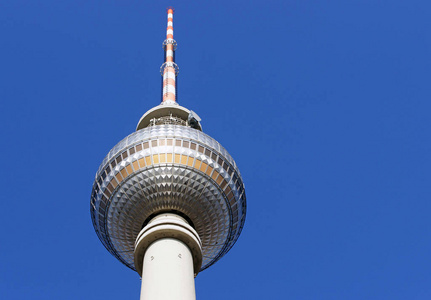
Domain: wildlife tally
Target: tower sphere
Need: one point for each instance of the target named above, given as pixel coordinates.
(168, 166)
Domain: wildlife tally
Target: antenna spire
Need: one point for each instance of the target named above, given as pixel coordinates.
(169, 69)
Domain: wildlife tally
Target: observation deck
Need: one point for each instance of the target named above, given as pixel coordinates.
(168, 168)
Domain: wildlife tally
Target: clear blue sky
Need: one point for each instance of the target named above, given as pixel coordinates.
(325, 106)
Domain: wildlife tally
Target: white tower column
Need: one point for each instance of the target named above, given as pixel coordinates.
(168, 255)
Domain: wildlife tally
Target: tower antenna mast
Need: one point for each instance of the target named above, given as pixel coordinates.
(169, 69)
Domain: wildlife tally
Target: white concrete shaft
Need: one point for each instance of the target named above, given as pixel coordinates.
(168, 255)
(168, 271)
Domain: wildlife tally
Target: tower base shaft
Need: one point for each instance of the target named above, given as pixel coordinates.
(168, 255)
(168, 271)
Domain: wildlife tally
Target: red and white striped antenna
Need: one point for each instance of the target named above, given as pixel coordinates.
(169, 69)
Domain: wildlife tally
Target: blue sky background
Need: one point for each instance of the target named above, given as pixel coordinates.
(325, 106)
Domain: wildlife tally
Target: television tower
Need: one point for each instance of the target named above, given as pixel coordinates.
(168, 201)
